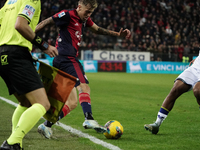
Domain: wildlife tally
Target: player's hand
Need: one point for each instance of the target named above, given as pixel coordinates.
(51, 51)
(125, 33)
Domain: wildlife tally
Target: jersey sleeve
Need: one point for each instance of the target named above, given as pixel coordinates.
(29, 8)
(2, 14)
(61, 18)
(89, 22)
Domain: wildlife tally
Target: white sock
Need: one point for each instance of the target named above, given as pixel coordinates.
(160, 118)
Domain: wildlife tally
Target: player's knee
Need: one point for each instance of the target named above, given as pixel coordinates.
(25, 103)
(196, 92)
(83, 88)
(73, 105)
(177, 90)
(174, 91)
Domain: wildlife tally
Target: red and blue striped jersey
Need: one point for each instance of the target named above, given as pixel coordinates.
(70, 31)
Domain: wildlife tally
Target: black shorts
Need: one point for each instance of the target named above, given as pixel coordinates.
(17, 70)
(72, 66)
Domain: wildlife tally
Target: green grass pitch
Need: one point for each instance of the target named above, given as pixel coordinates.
(131, 99)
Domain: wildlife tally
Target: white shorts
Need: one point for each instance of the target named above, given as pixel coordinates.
(190, 76)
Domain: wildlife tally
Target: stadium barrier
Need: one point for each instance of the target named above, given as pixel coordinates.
(127, 66)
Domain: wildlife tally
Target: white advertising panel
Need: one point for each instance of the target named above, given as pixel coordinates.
(120, 56)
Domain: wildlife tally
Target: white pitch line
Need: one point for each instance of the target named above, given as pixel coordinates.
(9, 101)
(75, 131)
(91, 138)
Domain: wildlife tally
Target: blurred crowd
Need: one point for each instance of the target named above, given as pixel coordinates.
(162, 27)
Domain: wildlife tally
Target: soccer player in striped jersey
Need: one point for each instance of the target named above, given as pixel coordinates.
(70, 24)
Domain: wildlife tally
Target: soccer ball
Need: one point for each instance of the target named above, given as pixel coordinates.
(114, 129)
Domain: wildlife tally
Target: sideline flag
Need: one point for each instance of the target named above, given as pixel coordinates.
(58, 86)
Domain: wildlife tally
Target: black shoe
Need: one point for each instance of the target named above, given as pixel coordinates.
(6, 146)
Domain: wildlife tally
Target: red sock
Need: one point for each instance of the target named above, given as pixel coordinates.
(85, 101)
(64, 112)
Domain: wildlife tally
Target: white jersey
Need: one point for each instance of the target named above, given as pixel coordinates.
(191, 75)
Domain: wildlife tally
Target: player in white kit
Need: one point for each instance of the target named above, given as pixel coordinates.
(189, 79)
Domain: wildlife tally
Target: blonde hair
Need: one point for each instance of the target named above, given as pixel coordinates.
(92, 3)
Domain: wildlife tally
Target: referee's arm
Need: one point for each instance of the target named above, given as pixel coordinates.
(21, 25)
(23, 28)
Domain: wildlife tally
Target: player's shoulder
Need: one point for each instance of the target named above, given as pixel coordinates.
(61, 13)
(72, 12)
(32, 5)
(29, 8)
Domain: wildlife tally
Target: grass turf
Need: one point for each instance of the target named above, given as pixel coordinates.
(133, 100)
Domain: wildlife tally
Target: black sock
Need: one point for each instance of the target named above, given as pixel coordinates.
(88, 116)
(48, 123)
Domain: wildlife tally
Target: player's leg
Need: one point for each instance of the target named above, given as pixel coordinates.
(196, 91)
(76, 69)
(184, 82)
(70, 104)
(72, 66)
(21, 77)
(178, 89)
(23, 105)
(85, 102)
(45, 128)
(30, 116)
